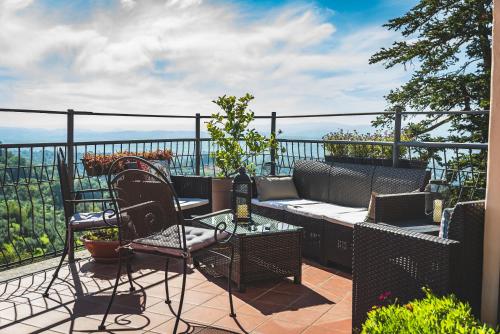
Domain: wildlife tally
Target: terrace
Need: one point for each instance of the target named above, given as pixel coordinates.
(33, 236)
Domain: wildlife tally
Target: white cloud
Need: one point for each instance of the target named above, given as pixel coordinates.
(176, 56)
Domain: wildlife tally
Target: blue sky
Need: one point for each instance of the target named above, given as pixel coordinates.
(175, 56)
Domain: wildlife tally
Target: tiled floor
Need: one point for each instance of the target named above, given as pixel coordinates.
(322, 304)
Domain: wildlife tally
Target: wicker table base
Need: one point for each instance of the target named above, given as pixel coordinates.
(272, 249)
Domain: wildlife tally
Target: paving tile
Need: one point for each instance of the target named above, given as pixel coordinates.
(273, 297)
(243, 323)
(18, 328)
(222, 302)
(145, 321)
(301, 316)
(168, 327)
(194, 297)
(203, 315)
(277, 326)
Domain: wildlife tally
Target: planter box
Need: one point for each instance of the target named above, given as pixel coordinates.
(403, 163)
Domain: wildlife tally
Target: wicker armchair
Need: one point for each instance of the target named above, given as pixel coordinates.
(389, 258)
(192, 186)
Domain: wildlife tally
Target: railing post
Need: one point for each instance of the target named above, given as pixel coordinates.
(70, 141)
(197, 144)
(273, 151)
(397, 138)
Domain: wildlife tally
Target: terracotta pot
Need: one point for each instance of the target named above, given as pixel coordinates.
(221, 193)
(101, 250)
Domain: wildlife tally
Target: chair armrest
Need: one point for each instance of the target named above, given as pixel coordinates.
(397, 207)
(193, 186)
(387, 258)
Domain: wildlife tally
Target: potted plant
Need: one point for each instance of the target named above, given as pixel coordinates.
(99, 164)
(102, 244)
(339, 149)
(235, 144)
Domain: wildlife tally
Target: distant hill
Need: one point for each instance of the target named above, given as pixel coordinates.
(303, 130)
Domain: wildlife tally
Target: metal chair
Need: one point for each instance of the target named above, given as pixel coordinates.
(150, 220)
(77, 221)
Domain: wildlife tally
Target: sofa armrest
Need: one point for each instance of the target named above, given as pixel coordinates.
(388, 258)
(398, 207)
(193, 186)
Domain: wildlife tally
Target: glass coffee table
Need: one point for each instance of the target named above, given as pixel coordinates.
(265, 249)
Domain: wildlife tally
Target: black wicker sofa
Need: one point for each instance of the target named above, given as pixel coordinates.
(194, 192)
(333, 198)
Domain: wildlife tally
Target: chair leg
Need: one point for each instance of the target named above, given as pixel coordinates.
(71, 247)
(229, 284)
(118, 273)
(56, 273)
(181, 301)
(129, 274)
(167, 299)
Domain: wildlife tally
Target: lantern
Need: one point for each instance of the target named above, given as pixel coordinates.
(242, 197)
(439, 194)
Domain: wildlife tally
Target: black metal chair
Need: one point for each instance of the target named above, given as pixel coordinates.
(150, 220)
(77, 221)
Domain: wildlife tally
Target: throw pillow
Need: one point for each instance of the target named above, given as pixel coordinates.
(444, 227)
(269, 188)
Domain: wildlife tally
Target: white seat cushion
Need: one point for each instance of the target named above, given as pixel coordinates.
(282, 203)
(167, 242)
(347, 218)
(321, 210)
(89, 220)
(189, 203)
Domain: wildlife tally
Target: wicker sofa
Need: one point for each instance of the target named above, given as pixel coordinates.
(333, 198)
(389, 258)
(194, 192)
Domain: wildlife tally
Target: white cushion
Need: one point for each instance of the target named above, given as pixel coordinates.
(189, 203)
(282, 203)
(347, 218)
(167, 242)
(88, 220)
(321, 210)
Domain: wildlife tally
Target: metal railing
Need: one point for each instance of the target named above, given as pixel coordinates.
(31, 217)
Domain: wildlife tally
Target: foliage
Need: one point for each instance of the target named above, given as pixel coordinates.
(98, 164)
(107, 234)
(429, 315)
(235, 142)
(448, 45)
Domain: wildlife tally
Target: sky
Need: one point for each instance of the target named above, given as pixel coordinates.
(176, 56)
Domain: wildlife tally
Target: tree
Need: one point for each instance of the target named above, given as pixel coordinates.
(448, 45)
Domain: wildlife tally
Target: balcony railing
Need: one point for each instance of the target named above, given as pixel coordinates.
(31, 217)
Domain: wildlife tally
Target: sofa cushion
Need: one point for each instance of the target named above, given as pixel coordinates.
(320, 210)
(312, 179)
(347, 218)
(389, 180)
(350, 184)
(272, 188)
(282, 203)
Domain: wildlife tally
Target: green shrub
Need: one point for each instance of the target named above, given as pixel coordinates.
(107, 234)
(436, 315)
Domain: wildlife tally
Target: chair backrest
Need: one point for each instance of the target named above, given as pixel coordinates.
(64, 181)
(145, 201)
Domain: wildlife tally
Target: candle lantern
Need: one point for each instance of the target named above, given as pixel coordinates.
(242, 197)
(436, 201)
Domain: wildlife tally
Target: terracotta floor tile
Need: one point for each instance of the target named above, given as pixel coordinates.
(18, 328)
(343, 325)
(222, 302)
(203, 315)
(145, 321)
(243, 323)
(194, 297)
(162, 308)
(276, 326)
(168, 327)
(323, 330)
(302, 316)
(20, 312)
(279, 298)
(210, 287)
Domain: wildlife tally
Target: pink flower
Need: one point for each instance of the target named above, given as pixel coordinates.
(383, 296)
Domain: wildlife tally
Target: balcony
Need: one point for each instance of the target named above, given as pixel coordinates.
(322, 304)
(32, 231)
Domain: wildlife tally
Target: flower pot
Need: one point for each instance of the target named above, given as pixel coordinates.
(103, 251)
(221, 193)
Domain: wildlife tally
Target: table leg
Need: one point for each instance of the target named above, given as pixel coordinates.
(297, 279)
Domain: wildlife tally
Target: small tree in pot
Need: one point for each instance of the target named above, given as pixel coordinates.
(235, 142)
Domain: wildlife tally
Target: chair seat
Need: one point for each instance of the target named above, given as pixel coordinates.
(89, 220)
(167, 241)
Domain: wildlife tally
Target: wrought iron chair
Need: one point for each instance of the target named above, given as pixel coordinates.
(150, 220)
(76, 221)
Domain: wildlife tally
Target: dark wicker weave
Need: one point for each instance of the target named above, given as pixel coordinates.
(191, 186)
(389, 258)
(273, 250)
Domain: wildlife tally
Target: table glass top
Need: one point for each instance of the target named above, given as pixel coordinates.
(259, 224)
